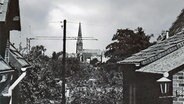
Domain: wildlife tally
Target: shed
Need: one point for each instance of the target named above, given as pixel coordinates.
(143, 69)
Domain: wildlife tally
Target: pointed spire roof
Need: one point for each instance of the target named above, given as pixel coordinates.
(79, 45)
(80, 31)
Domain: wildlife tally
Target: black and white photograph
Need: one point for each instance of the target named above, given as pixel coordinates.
(91, 51)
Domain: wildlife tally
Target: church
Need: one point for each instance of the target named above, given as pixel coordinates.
(85, 55)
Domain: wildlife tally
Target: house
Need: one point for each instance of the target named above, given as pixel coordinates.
(17, 62)
(9, 20)
(89, 54)
(142, 70)
(12, 65)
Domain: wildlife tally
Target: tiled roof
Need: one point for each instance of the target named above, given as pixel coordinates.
(165, 64)
(157, 51)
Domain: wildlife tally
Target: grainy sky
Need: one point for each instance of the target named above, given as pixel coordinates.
(100, 19)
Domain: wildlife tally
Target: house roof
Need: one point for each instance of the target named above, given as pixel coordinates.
(4, 66)
(10, 14)
(92, 51)
(156, 51)
(165, 64)
(17, 56)
(161, 57)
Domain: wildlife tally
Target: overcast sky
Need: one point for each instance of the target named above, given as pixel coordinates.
(100, 19)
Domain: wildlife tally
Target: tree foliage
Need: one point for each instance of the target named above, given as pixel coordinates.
(40, 85)
(96, 85)
(178, 25)
(94, 61)
(127, 42)
(87, 84)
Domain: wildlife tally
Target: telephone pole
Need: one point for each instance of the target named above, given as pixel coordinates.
(63, 62)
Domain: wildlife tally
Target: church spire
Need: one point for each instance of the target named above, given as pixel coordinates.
(79, 45)
(80, 31)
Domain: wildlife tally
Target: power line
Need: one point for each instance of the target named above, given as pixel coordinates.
(28, 40)
(77, 22)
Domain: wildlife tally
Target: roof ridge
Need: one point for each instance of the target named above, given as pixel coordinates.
(169, 63)
(156, 51)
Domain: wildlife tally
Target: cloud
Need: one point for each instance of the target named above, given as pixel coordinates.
(100, 18)
(35, 13)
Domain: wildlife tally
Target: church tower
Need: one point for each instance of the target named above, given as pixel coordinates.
(79, 45)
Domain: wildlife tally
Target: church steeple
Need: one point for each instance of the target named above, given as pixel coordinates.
(79, 45)
(80, 31)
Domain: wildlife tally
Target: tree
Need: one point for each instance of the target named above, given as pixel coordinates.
(127, 42)
(72, 64)
(40, 86)
(94, 61)
(54, 57)
(177, 26)
(39, 82)
(42, 83)
(96, 85)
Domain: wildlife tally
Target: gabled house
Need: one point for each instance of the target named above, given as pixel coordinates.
(9, 20)
(142, 71)
(12, 65)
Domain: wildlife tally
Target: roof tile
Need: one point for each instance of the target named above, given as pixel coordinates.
(156, 51)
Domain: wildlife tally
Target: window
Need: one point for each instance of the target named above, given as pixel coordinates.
(180, 77)
(3, 65)
(3, 78)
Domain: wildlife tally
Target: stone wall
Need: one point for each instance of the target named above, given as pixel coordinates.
(178, 88)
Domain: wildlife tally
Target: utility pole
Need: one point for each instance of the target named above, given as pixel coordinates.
(64, 65)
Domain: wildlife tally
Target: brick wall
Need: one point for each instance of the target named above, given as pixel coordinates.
(178, 88)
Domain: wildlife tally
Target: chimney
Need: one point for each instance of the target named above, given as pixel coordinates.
(167, 34)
